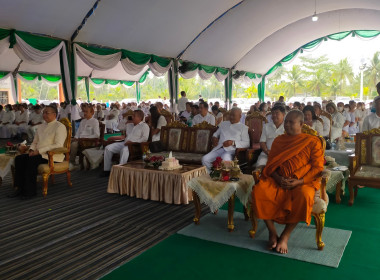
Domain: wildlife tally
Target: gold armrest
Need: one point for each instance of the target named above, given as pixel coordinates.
(256, 173)
(353, 165)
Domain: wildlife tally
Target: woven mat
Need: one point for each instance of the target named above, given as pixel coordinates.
(302, 245)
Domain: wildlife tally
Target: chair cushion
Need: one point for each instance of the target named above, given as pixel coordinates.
(368, 172)
(58, 167)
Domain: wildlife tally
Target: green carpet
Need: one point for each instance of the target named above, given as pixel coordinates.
(182, 257)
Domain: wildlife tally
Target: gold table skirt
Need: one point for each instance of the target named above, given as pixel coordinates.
(134, 180)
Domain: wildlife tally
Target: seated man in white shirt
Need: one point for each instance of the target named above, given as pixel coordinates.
(64, 111)
(204, 115)
(373, 119)
(20, 123)
(88, 128)
(35, 119)
(139, 133)
(231, 134)
(270, 131)
(49, 135)
(184, 115)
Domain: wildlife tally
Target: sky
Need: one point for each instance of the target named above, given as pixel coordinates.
(354, 48)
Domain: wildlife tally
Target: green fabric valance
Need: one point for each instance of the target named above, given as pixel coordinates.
(336, 36)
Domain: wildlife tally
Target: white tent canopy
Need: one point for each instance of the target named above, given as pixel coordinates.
(249, 35)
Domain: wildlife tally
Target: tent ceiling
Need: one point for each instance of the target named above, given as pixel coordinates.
(253, 36)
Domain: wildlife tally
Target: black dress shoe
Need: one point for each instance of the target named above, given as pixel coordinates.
(15, 194)
(105, 174)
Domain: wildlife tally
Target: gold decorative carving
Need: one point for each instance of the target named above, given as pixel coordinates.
(363, 156)
(222, 110)
(319, 119)
(176, 124)
(204, 125)
(308, 130)
(372, 131)
(319, 223)
(255, 115)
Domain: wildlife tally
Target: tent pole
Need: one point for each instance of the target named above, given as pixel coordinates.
(18, 90)
(173, 85)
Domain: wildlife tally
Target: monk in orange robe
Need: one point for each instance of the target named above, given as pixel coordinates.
(285, 193)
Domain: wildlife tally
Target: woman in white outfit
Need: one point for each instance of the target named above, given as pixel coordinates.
(6, 121)
(311, 119)
(337, 121)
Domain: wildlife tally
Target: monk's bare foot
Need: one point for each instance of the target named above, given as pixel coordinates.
(282, 245)
(272, 243)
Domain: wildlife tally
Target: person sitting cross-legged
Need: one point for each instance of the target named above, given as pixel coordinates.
(285, 192)
(139, 133)
(230, 135)
(49, 135)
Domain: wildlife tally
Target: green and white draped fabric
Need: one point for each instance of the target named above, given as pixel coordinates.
(133, 63)
(8, 76)
(36, 50)
(240, 77)
(52, 81)
(189, 70)
(363, 34)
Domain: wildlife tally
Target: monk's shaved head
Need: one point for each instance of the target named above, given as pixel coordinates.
(293, 122)
(297, 114)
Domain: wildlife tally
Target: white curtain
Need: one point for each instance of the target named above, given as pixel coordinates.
(96, 61)
(4, 45)
(204, 76)
(158, 70)
(12, 83)
(189, 74)
(220, 77)
(34, 56)
(128, 86)
(130, 67)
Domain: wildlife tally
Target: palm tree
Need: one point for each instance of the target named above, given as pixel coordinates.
(343, 73)
(295, 76)
(372, 73)
(319, 80)
(334, 87)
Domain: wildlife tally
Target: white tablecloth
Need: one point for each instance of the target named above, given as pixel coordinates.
(215, 194)
(341, 157)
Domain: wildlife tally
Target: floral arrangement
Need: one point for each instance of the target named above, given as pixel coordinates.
(216, 169)
(154, 161)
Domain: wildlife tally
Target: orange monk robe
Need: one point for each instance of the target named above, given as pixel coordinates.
(293, 156)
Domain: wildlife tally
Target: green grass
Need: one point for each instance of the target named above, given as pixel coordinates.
(182, 257)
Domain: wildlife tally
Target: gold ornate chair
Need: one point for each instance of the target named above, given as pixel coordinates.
(365, 163)
(222, 110)
(320, 200)
(168, 116)
(226, 116)
(52, 168)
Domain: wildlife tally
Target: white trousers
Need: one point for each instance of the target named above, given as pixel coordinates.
(16, 129)
(112, 149)
(262, 160)
(211, 156)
